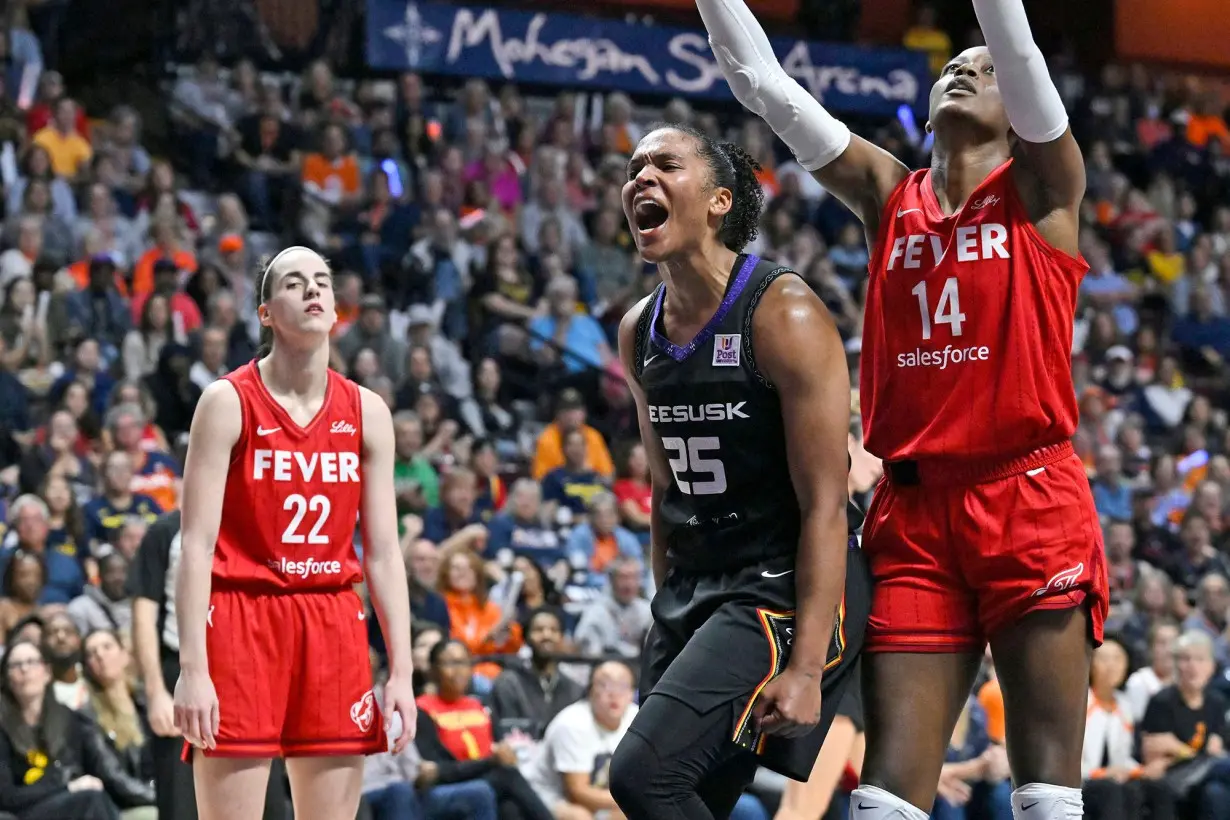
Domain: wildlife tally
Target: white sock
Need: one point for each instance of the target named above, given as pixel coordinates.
(872, 803)
(1040, 801)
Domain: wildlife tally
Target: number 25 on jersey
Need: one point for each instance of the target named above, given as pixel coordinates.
(688, 456)
(947, 310)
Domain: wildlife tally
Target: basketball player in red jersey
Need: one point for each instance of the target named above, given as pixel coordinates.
(284, 456)
(983, 528)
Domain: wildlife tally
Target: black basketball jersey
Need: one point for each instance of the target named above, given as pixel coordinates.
(730, 502)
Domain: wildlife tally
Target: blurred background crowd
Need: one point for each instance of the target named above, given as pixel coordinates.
(482, 262)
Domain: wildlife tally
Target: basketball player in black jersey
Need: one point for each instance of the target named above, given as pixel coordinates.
(743, 395)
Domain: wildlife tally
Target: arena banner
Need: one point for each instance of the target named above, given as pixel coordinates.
(592, 53)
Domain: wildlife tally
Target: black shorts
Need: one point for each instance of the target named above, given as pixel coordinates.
(718, 639)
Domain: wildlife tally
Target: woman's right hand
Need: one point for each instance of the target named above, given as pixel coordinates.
(196, 709)
(504, 754)
(85, 783)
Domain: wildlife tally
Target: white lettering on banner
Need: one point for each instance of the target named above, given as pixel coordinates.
(306, 568)
(593, 57)
(290, 465)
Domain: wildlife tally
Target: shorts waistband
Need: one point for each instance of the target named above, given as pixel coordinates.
(263, 588)
(909, 472)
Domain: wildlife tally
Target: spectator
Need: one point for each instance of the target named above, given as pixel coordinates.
(571, 771)
(106, 606)
(457, 510)
(154, 475)
(633, 490)
(30, 530)
(566, 336)
(522, 530)
(1187, 722)
(106, 514)
(570, 415)
(1147, 681)
(476, 621)
(119, 716)
(22, 584)
(528, 696)
(455, 734)
(54, 763)
(1107, 762)
(617, 622)
(572, 486)
(599, 540)
(975, 773)
(69, 151)
(62, 650)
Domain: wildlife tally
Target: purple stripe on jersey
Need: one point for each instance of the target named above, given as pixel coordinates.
(706, 333)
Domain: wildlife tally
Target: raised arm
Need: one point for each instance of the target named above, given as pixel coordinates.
(384, 568)
(858, 173)
(659, 466)
(216, 427)
(1053, 178)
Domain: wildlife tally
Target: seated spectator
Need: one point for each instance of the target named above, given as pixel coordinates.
(106, 514)
(65, 522)
(528, 695)
(572, 486)
(1110, 771)
(491, 490)
(117, 713)
(416, 481)
(486, 412)
(61, 453)
(975, 779)
(1185, 723)
(566, 337)
(69, 152)
(154, 474)
(599, 540)
(28, 518)
(54, 763)
(458, 508)
(1150, 605)
(1210, 614)
(633, 491)
(476, 621)
(537, 588)
(1147, 681)
(21, 587)
(571, 772)
(522, 530)
(617, 622)
(426, 635)
(61, 647)
(389, 788)
(569, 416)
(1198, 557)
(106, 606)
(455, 734)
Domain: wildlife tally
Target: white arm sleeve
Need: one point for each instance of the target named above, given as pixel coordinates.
(764, 88)
(1030, 97)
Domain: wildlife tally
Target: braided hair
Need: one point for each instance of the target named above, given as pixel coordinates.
(734, 169)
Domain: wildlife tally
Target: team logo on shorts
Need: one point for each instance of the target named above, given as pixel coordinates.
(726, 349)
(363, 712)
(1062, 581)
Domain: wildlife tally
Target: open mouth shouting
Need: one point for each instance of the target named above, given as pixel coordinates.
(650, 216)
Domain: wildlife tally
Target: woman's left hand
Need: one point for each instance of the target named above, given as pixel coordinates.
(399, 700)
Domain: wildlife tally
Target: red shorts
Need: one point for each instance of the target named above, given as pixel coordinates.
(293, 675)
(959, 554)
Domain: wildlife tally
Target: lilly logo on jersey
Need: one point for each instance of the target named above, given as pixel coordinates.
(306, 568)
(974, 243)
(666, 413)
(343, 427)
(292, 465)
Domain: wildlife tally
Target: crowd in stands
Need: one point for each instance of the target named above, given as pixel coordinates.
(482, 263)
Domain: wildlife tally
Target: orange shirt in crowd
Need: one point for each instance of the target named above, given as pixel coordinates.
(549, 454)
(991, 698)
(158, 477)
(80, 271)
(1203, 127)
(68, 152)
(143, 271)
(471, 622)
(339, 174)
(463, 725)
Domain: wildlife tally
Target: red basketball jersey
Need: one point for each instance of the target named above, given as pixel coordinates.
(292, 493)
(967, 336)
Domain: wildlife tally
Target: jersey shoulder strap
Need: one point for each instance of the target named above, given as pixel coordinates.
(772, 271)
(642, 332)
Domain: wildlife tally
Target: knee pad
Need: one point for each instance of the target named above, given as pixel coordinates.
(1042, 801)
(873, 803)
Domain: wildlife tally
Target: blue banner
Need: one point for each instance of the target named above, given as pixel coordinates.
(583, 52)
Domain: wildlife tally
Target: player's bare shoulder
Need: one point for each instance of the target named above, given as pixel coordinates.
(377, 422)
(791, 321)
(219, 415)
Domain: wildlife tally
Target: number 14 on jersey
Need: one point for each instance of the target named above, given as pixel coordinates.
(947, 311)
